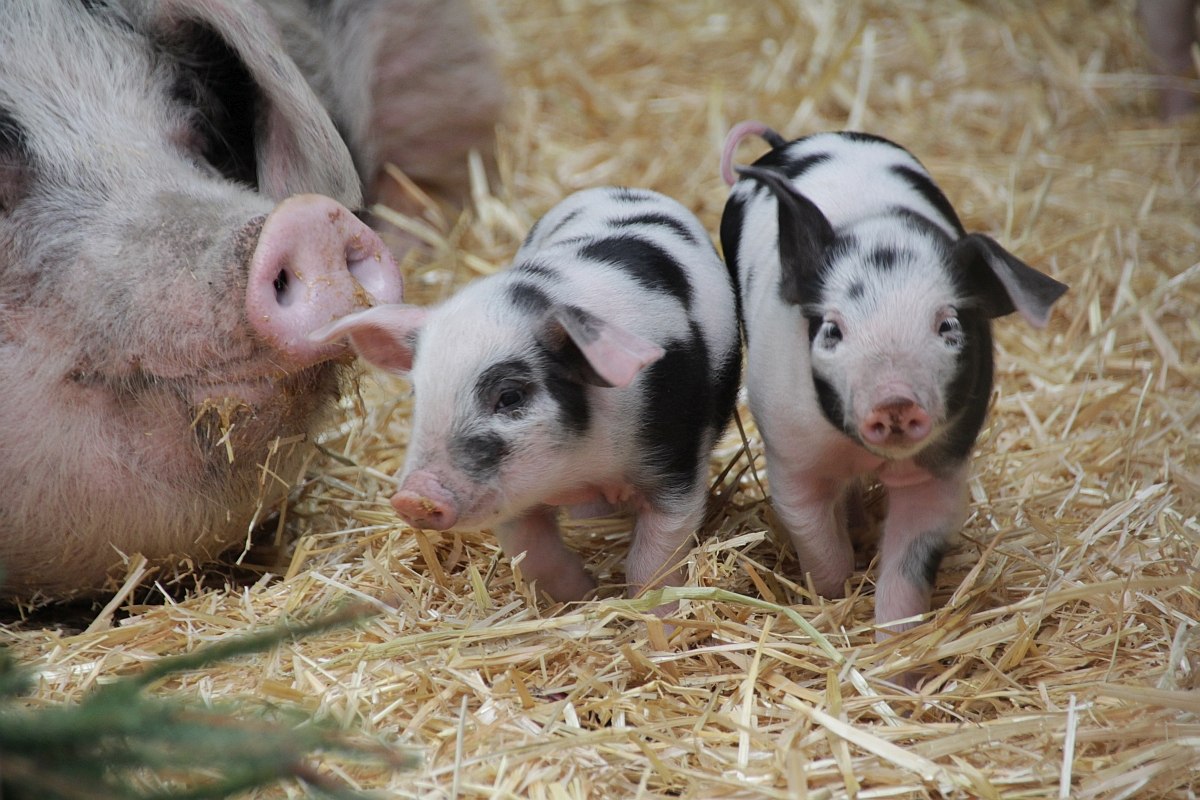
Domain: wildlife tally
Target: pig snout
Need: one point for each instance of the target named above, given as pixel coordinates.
(896, 421)
(423, 502)
(315, 261)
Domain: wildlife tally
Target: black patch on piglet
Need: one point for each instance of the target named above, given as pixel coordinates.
(652, 267)
(677, 393)
(659, 219)
(478, 455)
(922, 558)
(527, 298)
(831, 405)
(732, 220)
(16, 169)
(927, 189)
(966, 398)
(490, 379)
(212, 81)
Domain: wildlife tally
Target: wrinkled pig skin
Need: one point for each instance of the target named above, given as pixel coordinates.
(144, 149)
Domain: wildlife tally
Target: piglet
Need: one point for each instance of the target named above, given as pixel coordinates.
(867, 312)
(601, 366)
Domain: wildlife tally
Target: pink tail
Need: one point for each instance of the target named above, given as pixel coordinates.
(736, 134)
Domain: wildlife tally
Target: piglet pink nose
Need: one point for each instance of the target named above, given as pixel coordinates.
(423, 502)
(314, 262)
(895, 421)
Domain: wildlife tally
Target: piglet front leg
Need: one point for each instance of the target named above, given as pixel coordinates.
(809, 507)
(660, 540)
(556, 569)
(921, 519)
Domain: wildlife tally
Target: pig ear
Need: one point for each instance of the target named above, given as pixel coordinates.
(595, 351)
(385, 336)
(804, 234)
(1004, 282)
(297, 147)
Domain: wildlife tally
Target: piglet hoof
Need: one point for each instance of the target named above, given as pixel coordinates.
(572, 585)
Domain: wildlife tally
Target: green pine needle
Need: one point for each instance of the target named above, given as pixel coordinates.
(119, 744)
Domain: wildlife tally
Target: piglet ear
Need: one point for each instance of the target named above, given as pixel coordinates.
(595, 351)
(1004, 282)
(385, 336)
(804, 235)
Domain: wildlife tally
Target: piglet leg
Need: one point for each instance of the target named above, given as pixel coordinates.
(660, 542)
(556, 569)
(921, 519)
(811, 509)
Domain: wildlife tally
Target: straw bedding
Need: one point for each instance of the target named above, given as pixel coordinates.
(1062, 657)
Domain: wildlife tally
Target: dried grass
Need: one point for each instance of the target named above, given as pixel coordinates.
(1063, 657)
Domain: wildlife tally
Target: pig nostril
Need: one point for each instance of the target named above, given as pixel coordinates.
(282, 281)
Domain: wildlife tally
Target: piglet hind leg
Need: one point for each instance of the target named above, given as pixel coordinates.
(812, 511)
(549, 563)
(661, 538)
(920, 522)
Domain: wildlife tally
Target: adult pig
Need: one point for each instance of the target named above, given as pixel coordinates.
(175, 218)
(867, 313)
(598, 369)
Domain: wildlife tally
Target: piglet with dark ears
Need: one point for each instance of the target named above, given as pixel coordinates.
(867, 312)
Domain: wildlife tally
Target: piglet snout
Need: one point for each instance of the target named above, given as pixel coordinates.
(314, 262)
(895, 421)
(423, 502)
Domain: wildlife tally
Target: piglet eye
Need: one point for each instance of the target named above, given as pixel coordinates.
(830, 334)
(510, 397)
(950, 329)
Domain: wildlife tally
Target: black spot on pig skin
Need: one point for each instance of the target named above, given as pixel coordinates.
(564, 387)
(924, 186)
(726, 381)
(537, 269)
(883, 258)
(662, 220)
(732, 220)
(623, 195)
(564, 222)
(792, 166)
(13, 140)
(647, 263)
(480, 455)
(921, 560)
(528, 298)
(212, 80)
(16, 168)
(966, 399)
(831, 405)
(488, 381)
(680, 403)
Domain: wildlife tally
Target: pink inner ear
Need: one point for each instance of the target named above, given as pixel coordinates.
(382, 335)
(614, 353)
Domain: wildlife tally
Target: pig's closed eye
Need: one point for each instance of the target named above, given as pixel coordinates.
(510, 397)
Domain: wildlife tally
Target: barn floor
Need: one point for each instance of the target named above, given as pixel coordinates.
(1063, 657)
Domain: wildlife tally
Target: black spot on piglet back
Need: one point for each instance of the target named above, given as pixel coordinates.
(923, 185)
(662, 220)
(652, 267)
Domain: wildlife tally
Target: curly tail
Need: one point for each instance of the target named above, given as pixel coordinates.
(739, 132)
